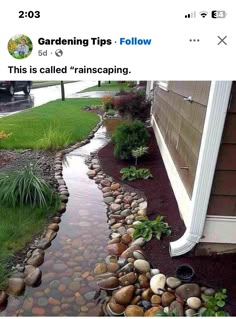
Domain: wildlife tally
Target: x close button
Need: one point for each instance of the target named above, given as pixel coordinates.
(222, 40)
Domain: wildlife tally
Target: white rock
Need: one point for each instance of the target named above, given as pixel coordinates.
(157, 283)
(194, 303)
(154, 272)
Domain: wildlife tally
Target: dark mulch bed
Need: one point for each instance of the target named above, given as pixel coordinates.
(214, 271)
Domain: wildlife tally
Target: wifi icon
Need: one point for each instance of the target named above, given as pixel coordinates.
(203, 14)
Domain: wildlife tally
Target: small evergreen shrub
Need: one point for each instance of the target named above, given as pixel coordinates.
(129, 136)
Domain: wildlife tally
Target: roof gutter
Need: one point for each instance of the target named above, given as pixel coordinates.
(217, 107)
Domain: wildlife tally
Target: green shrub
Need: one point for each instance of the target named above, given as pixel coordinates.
(215, 304)
(111, 112)
(54, 139)
(25, 188)
(147, 228)
(129, 136)
(131, 173)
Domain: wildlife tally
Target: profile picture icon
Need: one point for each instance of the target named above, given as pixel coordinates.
(20, 46)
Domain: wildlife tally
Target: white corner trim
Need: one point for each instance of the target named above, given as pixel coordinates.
(179, 190)
(211, 139)
(163, 85)
(212, 232)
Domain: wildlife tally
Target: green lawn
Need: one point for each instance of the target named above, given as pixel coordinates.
(41, 84)
(113, 86)
(17, 227)
(65, 118)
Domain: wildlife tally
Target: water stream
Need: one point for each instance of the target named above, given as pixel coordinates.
(68, 285)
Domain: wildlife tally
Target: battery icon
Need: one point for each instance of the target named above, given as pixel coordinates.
(218, 14)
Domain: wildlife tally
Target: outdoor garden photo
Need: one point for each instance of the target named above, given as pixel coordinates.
(117, 198)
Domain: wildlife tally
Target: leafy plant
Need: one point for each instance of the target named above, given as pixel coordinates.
(25, 188)
(129, 136)
(215, 304)
(139, 152)
(54, 139)
(132, 105)
(131, 173)
(162, 313)
(147, 228)
(111, 112)
(106, 101)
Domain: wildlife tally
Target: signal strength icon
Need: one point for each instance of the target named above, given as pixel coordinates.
(203, 14)
(190, 15)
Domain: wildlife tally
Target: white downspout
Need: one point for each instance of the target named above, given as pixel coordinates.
(211, 138)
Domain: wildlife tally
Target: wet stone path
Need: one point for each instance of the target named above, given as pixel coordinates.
(68, 285)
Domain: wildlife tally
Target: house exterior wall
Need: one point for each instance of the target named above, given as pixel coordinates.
(181, 123)
(223, 194)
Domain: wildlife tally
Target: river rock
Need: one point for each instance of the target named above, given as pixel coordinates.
(115, 309)
(139, 255)
(15, 286)
(115, 207)
(124, 295)
(37, 258)
(188, 290)
(105, 183)
(173, 282)
(190, 313)
(129, 251)
(91, 173)
(100, 268)
(106, 189)
(125, 212)
(147, 294)
(108, 199)
(139, 241)
(178, 307)
(54, 226)
(134, 311)
(116, 249)
(109, 283)
(50, 234)
(194, 303)
(128, 279)
(154, 272)
(3, 298)
(167, 298)
(143, 281)
(33, 275)
(112, 267)
(115, 186)
(156, 300)
(152, 312)
(126, 239)
(157, 283)
(127, 199)
(209, 292)
(141, 265)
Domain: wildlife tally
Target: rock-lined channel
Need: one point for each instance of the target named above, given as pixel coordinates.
(68, 285)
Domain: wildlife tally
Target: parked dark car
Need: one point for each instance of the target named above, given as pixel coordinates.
(16, 86)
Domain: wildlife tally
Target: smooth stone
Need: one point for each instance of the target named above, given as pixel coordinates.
(105, 183)
(167, 298)
(194, 302)
(139, 241)
(145, 304)
(108, 194)
(115, 309)
(109, 283)
(127, 199)
(42, 301)
(135, 300)
(173, 282)
(113, 267)
(128, 279)
(143, 205)
(108, 200)
(129, 251)
(33, 275)
(43, 243)
(134, 311)
(115, 207)
(54, 284)
(54, 226)
(190, 313)
(124, 295)
(37, 258)
(115, 186)
(122, 230)
(143, 281)
(127, 268)
(116, 249)
(157, 283)
(3, 298)
(147, 294)
(209, 292)
(177, 307)
(106, 189)
(38, 311)
(15, 286)
(56, 219)
(91, 173)
(152, 312)
(125, 212)
(122, 262)
(50, 234)
(126, 239)
(89, 295)
(154, 272)
(188, 290)
(156, 299)
(138, 255)
(111, 259)
(100, 268)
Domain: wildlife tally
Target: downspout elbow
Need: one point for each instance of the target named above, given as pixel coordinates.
(184, 244)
